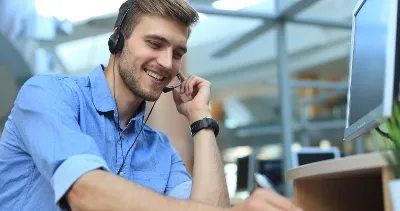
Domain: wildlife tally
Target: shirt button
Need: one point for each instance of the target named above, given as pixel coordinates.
(121, 174)
(122, 136)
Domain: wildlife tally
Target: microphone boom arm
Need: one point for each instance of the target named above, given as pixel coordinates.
(170, 88)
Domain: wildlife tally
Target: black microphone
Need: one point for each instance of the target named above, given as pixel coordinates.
(170, 88)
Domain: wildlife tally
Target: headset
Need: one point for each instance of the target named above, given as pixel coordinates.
(117, 40)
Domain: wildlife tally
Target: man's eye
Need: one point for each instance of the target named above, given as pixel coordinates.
(178, 55)
(154, 45)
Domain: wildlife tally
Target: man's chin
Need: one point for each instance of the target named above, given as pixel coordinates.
(151, 97)
(147, 95)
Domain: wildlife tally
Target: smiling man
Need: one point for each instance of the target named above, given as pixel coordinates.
(82, 143)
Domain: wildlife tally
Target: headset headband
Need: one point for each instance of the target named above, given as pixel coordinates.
(124, 15)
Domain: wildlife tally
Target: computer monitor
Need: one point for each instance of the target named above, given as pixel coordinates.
(245, 172)
(307, 155)
(242, 173)
(373, 79)
(272, 169)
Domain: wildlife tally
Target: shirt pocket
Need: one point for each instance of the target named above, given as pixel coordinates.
(156, 181)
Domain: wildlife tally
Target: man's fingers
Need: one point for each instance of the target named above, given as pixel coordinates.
(183, 77)
(189, 85)
(194, 83)
(177, 97)
(272, 208)
(274, 199)
(258, 204)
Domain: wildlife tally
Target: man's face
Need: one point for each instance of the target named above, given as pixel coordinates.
(152, 56)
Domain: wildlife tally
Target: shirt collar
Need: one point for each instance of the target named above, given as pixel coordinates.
(103, 99)
(101, 93)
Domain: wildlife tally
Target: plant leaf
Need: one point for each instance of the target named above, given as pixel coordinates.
(392, 166)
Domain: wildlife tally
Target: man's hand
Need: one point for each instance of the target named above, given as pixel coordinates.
(193, 98)
(264, 200)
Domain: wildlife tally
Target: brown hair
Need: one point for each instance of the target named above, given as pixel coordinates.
(178, 10)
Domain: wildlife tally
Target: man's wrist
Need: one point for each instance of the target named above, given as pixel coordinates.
(195, 116)
(205, 123)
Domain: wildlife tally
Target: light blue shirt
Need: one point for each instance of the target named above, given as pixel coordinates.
(62, 127)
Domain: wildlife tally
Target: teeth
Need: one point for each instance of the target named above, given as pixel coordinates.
(154, 75)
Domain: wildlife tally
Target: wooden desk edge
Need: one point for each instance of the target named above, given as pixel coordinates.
(341, 165)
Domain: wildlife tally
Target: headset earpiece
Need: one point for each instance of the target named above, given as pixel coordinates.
(120, 43)
(116, 41)
(112, 43)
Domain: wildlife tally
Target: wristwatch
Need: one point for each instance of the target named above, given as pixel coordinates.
(204, 123)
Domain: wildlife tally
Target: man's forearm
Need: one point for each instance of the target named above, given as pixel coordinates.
(100, 190)
(209, 183)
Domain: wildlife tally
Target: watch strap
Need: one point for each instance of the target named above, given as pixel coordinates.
(204, 123)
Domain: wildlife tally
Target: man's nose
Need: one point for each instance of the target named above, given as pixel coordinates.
(165, 59)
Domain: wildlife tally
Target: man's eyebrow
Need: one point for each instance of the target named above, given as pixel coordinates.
(164, 40)
(158, 37)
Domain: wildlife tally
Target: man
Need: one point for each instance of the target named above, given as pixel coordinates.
(81, 143)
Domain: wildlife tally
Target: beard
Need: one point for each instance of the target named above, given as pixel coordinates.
(130, 76)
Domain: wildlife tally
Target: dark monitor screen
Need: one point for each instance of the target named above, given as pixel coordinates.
(242, 173)
(369, 57)
(273, 170)
(306, 158)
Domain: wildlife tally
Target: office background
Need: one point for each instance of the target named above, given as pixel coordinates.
(279, 70)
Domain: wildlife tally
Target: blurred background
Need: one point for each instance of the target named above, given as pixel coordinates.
(279, 70)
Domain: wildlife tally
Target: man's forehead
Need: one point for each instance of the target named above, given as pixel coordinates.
(163, 26)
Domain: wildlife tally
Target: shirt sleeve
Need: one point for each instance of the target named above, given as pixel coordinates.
(179, 182)
(46, 114)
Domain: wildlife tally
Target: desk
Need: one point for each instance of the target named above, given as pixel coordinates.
(353, 183)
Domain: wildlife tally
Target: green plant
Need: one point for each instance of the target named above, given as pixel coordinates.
(392, 126)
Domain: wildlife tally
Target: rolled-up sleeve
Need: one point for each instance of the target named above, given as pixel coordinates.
(180, 182)
(46, 115)
(73, 168)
